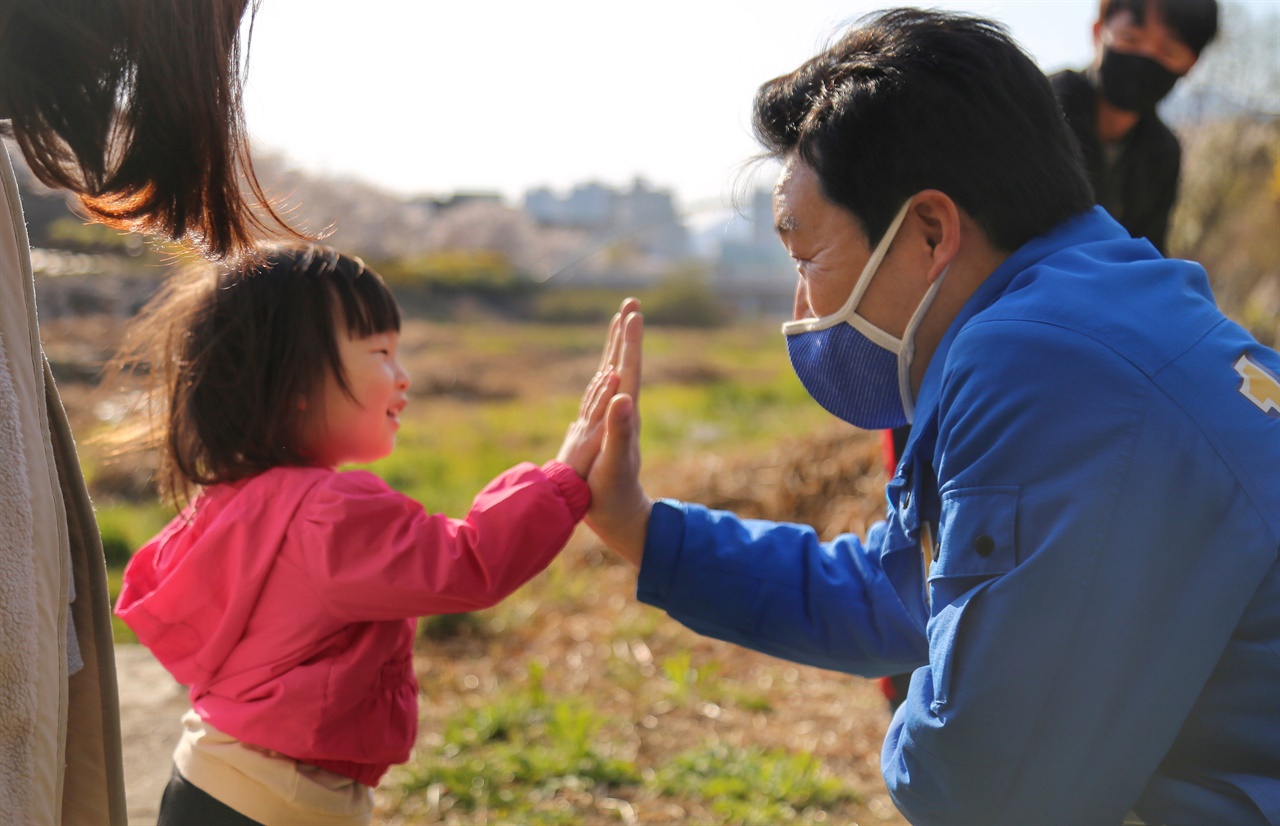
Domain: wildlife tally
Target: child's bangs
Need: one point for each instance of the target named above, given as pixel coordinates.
(367, 304)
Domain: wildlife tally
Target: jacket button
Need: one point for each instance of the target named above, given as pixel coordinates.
(984, 545)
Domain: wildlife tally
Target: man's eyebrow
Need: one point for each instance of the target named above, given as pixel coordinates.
(786, 223)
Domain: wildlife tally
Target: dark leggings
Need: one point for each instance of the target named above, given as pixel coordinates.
(186, 805)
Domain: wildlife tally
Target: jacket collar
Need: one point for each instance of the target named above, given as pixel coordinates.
(1087, 227)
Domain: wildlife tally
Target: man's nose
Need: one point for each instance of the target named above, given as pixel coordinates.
(801, 308)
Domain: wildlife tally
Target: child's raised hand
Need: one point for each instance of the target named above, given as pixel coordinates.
(586, 433)
(618, 373)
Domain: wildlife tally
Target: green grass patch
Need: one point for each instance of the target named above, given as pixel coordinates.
(515, 755)
(127, 527)
(683, 677)
(687, 683)
(124, 529)
(754, 786)
(120, 633)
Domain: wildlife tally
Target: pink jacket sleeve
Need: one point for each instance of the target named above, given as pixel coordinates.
(375, 554)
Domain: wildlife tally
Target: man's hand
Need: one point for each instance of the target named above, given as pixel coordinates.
(620, 508)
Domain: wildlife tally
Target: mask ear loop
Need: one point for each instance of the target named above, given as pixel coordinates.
(873, 263)
(864, 281)
(907, 353)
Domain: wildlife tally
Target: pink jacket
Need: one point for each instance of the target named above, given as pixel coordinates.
(286, 602)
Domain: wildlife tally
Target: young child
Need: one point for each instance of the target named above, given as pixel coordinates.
(285, 593)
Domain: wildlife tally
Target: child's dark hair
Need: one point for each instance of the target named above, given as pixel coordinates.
(233, 355)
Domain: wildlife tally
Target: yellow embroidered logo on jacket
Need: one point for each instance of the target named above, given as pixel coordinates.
(1259, 385)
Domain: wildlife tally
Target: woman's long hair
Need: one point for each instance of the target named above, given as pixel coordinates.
(135, 106)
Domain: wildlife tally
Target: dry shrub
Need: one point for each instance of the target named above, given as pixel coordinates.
(832, 479)
(1227, 221)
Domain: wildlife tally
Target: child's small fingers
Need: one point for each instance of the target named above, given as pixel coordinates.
(597, 398)
(595, 388)
(613, 339)
(610, 343)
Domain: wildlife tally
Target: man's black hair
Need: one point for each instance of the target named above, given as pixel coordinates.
(909, 100)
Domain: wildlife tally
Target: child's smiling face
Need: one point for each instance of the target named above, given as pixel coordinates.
(360, 427)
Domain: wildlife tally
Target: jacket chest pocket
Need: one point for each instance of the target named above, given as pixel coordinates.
(977, 535)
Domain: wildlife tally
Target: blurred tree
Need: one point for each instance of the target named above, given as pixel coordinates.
(465, 269)
(684, 298)
(74, 233)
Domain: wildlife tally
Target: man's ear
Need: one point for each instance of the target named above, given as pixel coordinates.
(939, 219)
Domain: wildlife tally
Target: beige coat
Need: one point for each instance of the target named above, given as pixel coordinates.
(59, 735)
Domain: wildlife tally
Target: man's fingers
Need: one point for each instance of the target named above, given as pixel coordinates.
(613, 339)
(621, 406)
(619, 433)
(631, 337)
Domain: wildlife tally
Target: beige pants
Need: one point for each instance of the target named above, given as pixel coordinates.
(270, 788)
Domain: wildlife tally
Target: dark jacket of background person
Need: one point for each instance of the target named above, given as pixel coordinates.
(1139, 186)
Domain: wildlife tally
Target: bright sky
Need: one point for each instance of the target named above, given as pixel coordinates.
(435, 96)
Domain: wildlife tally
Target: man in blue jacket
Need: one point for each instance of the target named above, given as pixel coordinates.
(1080, 556)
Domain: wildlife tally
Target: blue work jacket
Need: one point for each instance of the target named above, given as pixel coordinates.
(1095, 466)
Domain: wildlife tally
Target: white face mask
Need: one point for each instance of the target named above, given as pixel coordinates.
(855, 370)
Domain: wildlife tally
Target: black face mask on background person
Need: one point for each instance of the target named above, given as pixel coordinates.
(1133, 82)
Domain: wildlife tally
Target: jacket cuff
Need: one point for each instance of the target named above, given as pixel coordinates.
(572, 487)
(662, 547)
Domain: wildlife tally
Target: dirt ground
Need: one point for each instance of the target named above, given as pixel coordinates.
(150, 705)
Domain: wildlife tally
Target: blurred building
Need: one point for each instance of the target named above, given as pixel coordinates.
(639, 222)
(458, 199)
(752, 268)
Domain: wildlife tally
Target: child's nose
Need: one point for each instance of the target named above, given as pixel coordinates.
(402, 377)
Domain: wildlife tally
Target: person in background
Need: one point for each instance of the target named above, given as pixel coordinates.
(1081, 555)
(134, 106)
(1142, 48)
